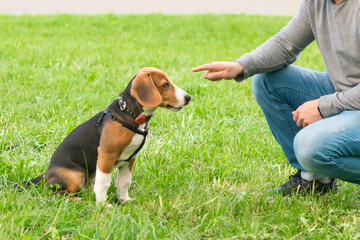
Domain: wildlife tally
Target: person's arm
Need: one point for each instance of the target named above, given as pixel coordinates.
(277, 52)
(281, 49)
(330, 105)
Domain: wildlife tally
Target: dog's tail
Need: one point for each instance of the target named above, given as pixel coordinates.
(33, 181)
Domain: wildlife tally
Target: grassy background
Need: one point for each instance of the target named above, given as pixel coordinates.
(190, 178)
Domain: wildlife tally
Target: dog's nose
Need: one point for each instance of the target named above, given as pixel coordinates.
(187, 99)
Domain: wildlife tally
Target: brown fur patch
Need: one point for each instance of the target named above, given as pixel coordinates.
(70, 180)
(144, 90)
(114, 139)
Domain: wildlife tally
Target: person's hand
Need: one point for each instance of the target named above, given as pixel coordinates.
(220, 70)
(307, 113)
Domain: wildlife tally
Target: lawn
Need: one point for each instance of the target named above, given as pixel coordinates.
(204, 171)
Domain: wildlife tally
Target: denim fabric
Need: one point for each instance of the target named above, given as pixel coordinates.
(329, 147)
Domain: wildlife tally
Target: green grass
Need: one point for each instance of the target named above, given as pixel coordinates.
(190, 178)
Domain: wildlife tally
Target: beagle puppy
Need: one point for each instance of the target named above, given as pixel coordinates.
(112, 138)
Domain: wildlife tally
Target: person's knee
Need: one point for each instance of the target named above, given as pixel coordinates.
(311, 150)
(259, 86)
(264, 85)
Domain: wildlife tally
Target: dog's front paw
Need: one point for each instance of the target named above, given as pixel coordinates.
(103, 204)
(101, 199)
(123, 200)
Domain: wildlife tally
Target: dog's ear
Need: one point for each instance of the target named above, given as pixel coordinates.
(144, 90)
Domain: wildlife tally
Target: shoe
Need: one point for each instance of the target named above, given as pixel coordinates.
(296, 184)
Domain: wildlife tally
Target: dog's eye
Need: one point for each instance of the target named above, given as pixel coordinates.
(166, 85)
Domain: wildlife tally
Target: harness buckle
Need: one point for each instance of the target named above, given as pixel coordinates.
(99, 121)
(113, 117)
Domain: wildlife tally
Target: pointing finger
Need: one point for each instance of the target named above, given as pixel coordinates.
(210, 67)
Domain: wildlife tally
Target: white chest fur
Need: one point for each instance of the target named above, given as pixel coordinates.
(131, 148)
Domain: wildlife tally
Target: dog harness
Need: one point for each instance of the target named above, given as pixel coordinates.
(135, 130)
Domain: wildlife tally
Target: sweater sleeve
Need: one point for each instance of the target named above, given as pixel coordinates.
(280, 50)
(333, 104)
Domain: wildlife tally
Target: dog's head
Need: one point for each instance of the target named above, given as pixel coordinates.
(152, 88)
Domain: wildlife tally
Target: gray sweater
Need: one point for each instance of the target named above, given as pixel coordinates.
(336, 29)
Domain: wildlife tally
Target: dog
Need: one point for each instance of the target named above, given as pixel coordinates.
(112, 138)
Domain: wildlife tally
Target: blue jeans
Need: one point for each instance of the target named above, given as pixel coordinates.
(329, 147)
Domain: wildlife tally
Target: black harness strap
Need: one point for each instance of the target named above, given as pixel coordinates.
(138, 149)
(99, 121)
(135, 130)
